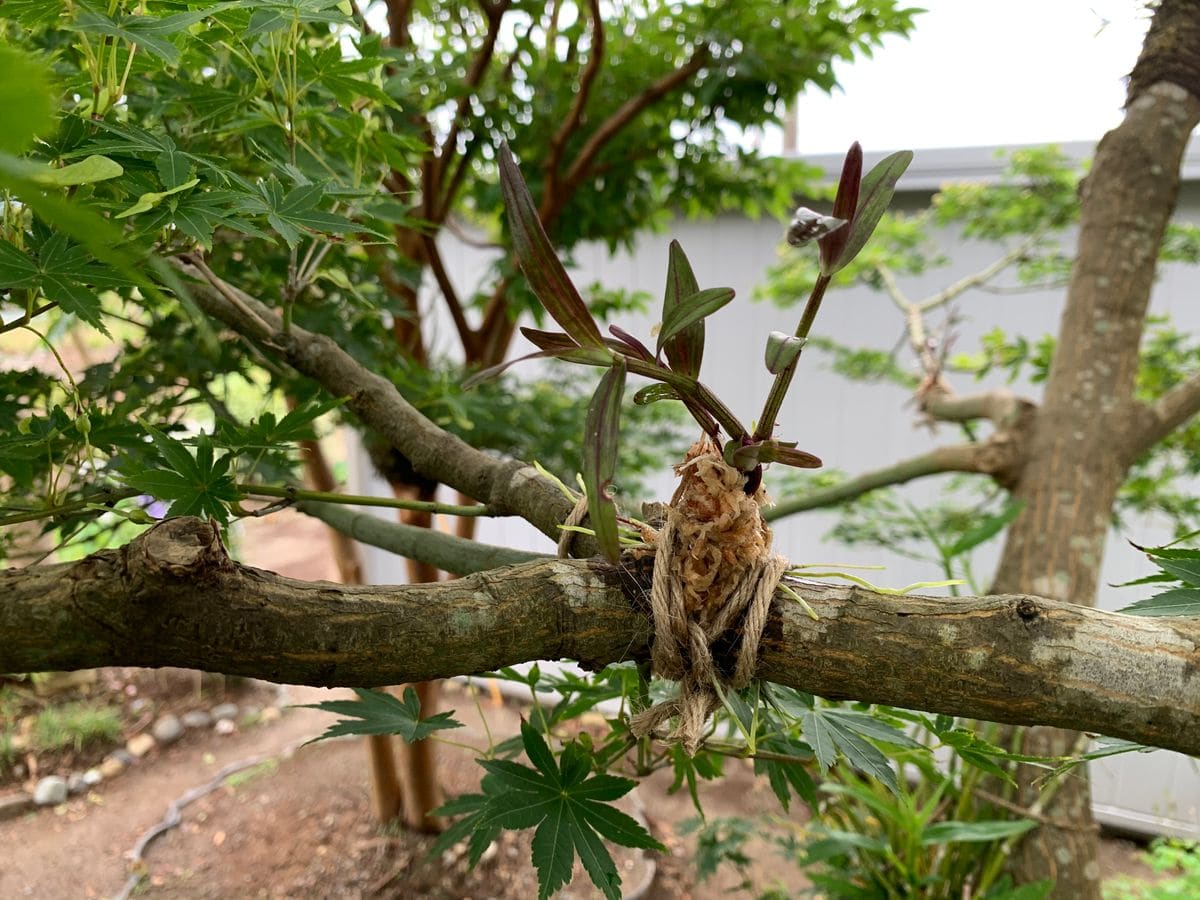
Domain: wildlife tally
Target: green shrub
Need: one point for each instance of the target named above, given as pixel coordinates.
(1180, 859)
(75, 725)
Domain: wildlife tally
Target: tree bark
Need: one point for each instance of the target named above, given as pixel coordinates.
(1085, 434)
(173, 597)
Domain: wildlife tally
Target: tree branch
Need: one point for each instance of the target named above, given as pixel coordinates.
(953, 458)
(612, 126)
(173, 597)
(1000, 406)
(447, 552)
(508, 487)
(559, 139)
(434, 255)
(1154, 421)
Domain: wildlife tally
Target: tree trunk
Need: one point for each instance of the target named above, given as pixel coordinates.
(1085, 435)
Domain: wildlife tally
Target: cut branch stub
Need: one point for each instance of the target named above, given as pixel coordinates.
(545, 273)
(600, 434)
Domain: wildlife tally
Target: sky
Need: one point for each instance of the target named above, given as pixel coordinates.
(983, 72)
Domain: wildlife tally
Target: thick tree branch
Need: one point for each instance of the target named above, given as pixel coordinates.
(953, 458)
(1000, 406)
(509, 487)
(173, 597)
(1154, 421)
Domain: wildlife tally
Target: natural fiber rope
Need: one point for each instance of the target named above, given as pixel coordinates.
(574, 517)
(683, 645)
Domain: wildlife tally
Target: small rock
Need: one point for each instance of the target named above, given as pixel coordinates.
(224, 726)
(167, 729)
(92, 777)
(12, 805)
(197, 718)
(270, 714)
(140, 744)
(124, 756)
(111, 766)
(251, 714)
(225, 711)
(75, 783)
(138, 705)
(50, 791)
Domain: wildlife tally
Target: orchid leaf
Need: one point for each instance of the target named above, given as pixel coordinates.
(690, 311)
(782, 351)
(845, 204)
(684, 351)
(547, 277)
(878, 187)
(600, 435)
(652, 393)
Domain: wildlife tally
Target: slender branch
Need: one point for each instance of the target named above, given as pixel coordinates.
(953, 458)
(290, 492)
(613, 125)
(28, 317)
(508, 487)
(493, 12)
(559, 139)
(434, 255)
(447, 552)
(173, 597)
(980, 278)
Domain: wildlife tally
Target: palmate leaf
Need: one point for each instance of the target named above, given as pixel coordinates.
(1184, 601)
(27, 101)
(546, 275)
(295, 212)
(197, 486)
(564, 801)
(831, 731)
(375, 712)
(600, 436)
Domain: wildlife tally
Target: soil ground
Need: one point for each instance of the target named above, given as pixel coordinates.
(300, 824)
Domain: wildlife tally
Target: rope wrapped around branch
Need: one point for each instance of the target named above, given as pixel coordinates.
(714, 575)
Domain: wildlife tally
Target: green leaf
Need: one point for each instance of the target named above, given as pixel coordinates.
(547, 278)
(376, 712)
(27, 101)
(782, 351)
(685, 351)
(1176, 602)
(1185, 568)
(16, 269)
(600, 438)
(691, 310)
(151, 199)
(986, 529)
(295, 212)
(829, 730)
(652, 393)
(874, 198)
(86, 171)
(969, 832)
(553, 853)
(174, 168)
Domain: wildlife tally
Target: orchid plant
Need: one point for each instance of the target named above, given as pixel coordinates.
(674, 363)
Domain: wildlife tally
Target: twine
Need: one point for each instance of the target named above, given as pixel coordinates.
(683, 644)
(574, 517)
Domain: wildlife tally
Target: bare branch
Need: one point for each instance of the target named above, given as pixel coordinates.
(999, 405)
(1154, 421)
(559, 140)
(173, 597)
(953, 458)
(434, 256)
(447, 552)
(612, 126)
(978, 279)
(509, 487)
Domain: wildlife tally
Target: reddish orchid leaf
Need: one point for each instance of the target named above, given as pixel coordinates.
(878, 188)
(545, 273)
(600, 438)
(631, 343)
(773, 451)
(845, 206)
(684, 351)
